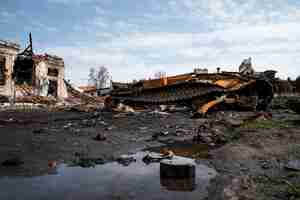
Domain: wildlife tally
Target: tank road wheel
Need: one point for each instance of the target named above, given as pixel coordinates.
(265, 95)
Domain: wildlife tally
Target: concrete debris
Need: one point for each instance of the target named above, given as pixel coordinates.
(157, 157)
(263, 116)
(163, 108)
(124, 108)
(100, 137)
(294, 105)
(159, 112)
(52, 163)
(126, 160)
(209, 136)
(164, 133)
(234, 122)
(293, 165)
(172, 108)
(87, 162)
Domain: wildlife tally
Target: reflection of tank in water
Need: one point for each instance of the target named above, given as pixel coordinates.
(204, 91)
(178, 184)
(178, 173)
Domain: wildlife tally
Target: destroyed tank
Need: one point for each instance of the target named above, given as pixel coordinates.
(203, 91)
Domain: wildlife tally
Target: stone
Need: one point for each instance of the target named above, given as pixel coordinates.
(293, 165)
(163, 108)
(126, 160)
(100, 137)
(89, 162)
(234, 122)
(164, 133)
(156, 157)
(52, 163)
(178, 167)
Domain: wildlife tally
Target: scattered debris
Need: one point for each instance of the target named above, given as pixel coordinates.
(207, 135)
(52, 163)
(159, 112)
(263, 116)
(156, 157)
(126, 160)
(293, 165)
(124, 108)
(161, 133)
(100, 137)
(294, 104)
(293, 190)
(86, 162)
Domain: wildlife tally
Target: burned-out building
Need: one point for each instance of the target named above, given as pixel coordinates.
(24, 73)
(49, 76)
(8, 55)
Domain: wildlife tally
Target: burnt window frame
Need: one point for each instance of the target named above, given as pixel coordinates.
(24, 70)
(2, 69)
(54, 72)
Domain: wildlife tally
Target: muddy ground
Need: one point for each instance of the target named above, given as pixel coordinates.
(249, 153)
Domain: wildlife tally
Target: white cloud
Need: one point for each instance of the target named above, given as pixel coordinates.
(263, 29)
(70, 2)
(38, 26)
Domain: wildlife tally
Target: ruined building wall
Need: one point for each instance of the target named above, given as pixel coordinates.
(50, 73)
(8, 54)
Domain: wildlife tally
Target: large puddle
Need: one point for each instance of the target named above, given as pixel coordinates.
(108, 181)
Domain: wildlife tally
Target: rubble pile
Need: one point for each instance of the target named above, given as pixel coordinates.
(26, 94)
(3, 99)
(209, 136)
(80, 101)
(294, 104)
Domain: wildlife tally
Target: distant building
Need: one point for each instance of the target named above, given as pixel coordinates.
(201, 71)
(91, 90)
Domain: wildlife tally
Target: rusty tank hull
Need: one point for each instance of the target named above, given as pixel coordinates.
(202, 91)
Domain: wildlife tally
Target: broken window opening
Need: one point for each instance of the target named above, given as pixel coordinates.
(23, 70)
(53, 72)
(52, 91)
(2, 70)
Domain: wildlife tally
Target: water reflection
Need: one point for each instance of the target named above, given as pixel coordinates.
(108, 181)
(178, 184)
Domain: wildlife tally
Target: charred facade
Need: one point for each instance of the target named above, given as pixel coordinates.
(24, 73)
(8, 55)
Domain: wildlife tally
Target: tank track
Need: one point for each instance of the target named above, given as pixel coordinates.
(171, 94)
(189, 91)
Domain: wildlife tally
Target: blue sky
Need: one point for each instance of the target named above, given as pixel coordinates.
(136, 38)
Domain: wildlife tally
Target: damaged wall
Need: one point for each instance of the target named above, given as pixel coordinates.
(8, 54)
(42, 75)
(49, 75)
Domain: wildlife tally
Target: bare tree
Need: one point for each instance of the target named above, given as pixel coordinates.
(92, 76)
(99, 77)
(160, 74)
